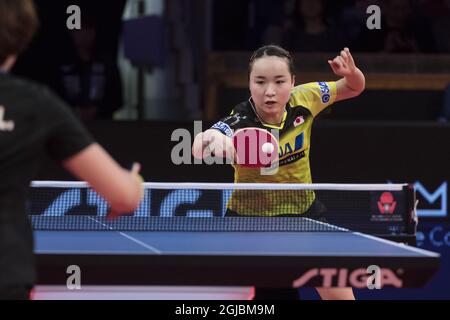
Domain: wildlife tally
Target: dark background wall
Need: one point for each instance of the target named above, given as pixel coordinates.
(52, 44)
(341, 151)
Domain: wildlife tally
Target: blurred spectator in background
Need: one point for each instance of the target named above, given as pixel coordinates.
(438, 11)
(401, 31)
(89, 79)
(280, 23)
(309, 28)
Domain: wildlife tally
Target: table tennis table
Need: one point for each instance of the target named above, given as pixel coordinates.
(224, 259)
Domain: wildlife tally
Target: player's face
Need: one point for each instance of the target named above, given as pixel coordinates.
(270, 85)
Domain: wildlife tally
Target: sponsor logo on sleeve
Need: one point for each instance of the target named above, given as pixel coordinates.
(324, 92)
(224, 128)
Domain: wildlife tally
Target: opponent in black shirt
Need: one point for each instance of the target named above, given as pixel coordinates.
(35, 123)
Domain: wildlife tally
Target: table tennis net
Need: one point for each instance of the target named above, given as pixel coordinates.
(377, 209)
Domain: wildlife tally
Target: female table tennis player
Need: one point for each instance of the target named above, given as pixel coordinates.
(276, 103)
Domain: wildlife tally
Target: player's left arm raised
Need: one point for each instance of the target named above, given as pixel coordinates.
(353, 81)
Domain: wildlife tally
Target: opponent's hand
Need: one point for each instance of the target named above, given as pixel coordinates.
(343, 65)
(134, 172)
(135, 169)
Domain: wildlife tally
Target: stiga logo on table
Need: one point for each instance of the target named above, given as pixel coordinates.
(372, 277)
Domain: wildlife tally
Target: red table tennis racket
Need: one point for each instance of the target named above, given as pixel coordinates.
(255, 147)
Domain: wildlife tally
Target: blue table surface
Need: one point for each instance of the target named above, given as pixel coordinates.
(337, 244)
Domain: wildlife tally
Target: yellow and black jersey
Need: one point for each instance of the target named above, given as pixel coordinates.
(294, 132)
